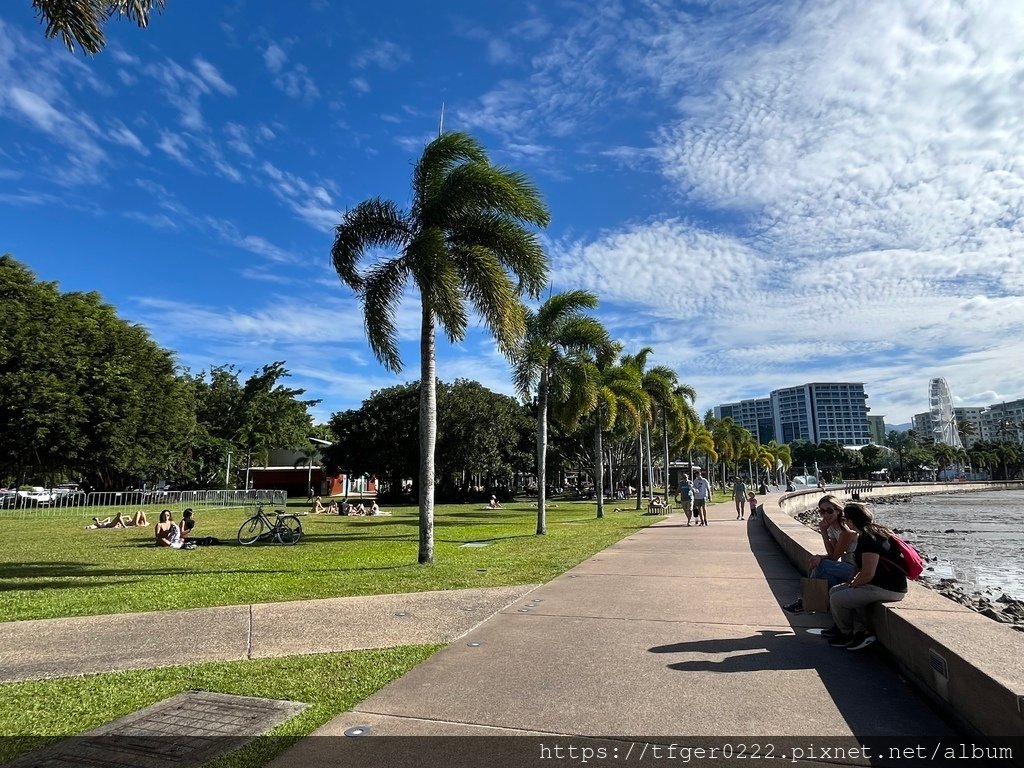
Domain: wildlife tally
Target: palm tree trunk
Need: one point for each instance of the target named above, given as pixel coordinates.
(542, 450)
(664, 429)
(428, 435)
(640, 469)
(650, 461)
(611, 473)
(599, 474)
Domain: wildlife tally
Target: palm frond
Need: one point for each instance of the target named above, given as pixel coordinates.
(494, 296)
(380, 294)
(439, 158)
(476, 187)
(372, 223)
(517, 249)
(564, 305)
(439, 282)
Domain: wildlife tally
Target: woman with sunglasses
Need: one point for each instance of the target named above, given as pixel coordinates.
(837, 564)
(879, 579)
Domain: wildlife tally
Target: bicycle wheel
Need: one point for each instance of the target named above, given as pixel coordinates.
(289, 529)
(251, 530)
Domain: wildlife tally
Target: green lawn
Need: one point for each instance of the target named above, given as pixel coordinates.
(55, 567)
(33, 714)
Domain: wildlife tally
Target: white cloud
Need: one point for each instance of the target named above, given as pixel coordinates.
(275, 58)
(360, 84)
(122, 135)
(212, 77)
(382, 54)
(175, 146)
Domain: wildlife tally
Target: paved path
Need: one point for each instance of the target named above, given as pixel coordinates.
(89, 644)
(673, 631)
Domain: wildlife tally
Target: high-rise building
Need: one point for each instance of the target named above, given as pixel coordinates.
(835, 411)
(973, 416)
(753, 415)
(876, 429)
(817, 411)
(1003, 421)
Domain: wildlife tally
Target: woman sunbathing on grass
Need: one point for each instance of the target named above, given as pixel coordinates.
(120, 521)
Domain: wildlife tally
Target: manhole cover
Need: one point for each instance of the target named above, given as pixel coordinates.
(185, 731)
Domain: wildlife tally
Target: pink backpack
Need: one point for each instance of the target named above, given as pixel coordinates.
(907, 558)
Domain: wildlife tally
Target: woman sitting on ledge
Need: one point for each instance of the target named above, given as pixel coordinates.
(879, 579)
(837, 564)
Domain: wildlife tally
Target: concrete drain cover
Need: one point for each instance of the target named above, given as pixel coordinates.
(476, 544)
(185, 731)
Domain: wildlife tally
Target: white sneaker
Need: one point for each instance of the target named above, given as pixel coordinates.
(861, 641)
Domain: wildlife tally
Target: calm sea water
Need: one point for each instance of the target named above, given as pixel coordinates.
(985, 548)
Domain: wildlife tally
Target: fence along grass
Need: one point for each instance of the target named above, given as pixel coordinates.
(105, 503)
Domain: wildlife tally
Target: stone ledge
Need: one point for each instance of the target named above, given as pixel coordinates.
(926, 633)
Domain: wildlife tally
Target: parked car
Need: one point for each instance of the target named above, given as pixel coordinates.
(37, 496)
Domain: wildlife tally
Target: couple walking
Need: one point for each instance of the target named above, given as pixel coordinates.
(695, 496)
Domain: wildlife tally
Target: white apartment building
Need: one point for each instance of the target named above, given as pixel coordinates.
(818, 411)
(1000, 421)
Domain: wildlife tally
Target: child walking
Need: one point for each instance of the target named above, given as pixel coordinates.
(752, 503)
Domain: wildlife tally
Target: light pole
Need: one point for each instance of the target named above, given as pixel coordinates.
(227, 473)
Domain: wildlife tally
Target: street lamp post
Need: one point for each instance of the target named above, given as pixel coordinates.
(227, 473)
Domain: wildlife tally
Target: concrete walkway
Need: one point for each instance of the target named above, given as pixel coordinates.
(89, 644)
(673, 631)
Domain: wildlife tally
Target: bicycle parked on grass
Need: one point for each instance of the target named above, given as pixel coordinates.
(286, 529)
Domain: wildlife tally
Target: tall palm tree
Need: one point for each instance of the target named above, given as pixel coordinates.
(464, 238)
(620, 398)
(544, 360)
(676, 415)
(657, 383)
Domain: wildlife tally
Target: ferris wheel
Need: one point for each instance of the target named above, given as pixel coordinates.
(940, 401)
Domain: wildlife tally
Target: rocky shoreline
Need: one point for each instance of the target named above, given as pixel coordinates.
(1001, 608)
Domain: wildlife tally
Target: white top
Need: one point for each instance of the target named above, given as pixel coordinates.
(701, 489)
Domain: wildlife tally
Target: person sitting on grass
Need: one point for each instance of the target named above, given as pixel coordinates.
(495, 504)
(357, 509)
(120, 521)
(332, 508)
(187, 524)
(168, 534)
(318, 507)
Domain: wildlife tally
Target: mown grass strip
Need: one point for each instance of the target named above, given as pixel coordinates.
(33, 714)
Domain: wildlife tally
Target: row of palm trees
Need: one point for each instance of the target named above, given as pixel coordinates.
(467, 241)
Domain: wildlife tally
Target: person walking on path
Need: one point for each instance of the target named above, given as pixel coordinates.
(739, 495)
(686, 497)
(701, 496)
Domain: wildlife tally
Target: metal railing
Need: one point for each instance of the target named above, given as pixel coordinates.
(89, 504)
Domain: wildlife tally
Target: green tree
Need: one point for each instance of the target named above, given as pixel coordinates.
(463, 238)
(82, 392)
(901, 443)
(81, 21)
(547, 361)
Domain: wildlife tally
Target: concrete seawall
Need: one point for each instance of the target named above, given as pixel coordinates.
(967, 664)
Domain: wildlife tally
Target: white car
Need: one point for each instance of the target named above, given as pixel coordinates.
(37, 496)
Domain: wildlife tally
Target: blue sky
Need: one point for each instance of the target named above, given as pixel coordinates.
(765, 193)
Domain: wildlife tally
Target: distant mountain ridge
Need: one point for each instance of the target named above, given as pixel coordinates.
(904, 427)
